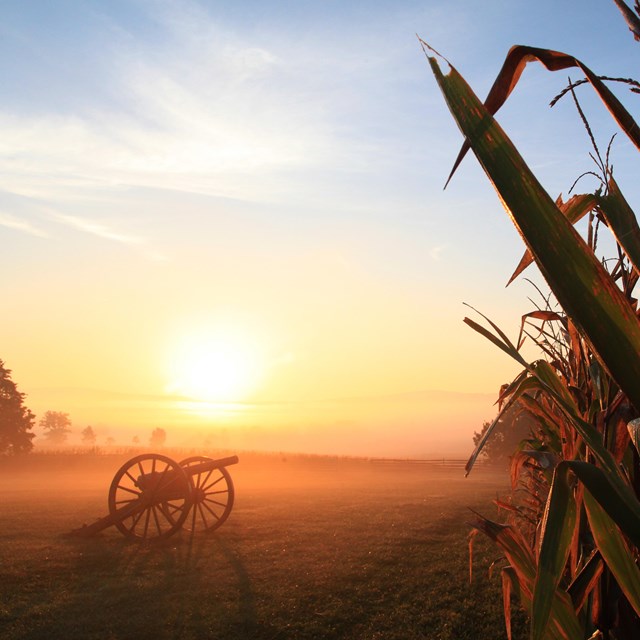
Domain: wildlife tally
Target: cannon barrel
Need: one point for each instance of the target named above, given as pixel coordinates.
(170, 485)
(210, 465)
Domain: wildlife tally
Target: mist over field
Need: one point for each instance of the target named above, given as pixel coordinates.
(315, 547)
(419, 424)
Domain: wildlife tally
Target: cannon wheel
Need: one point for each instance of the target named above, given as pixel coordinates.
(159, 516)
(212, 496)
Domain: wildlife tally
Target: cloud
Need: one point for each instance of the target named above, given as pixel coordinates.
(11, 222)
(104, 231)
(194, 106)
(95, 228)
(188, 148)
(209, 112)
(29, 209)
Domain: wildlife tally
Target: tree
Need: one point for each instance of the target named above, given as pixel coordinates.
(511, 430)
(55, 425)
(158, 437)
(16, 420)
(89, 436)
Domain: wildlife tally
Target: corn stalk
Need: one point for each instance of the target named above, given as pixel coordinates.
(580, 560)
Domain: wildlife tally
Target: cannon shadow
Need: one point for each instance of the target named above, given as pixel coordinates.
(186, 586)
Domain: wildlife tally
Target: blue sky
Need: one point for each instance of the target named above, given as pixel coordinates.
(276, 166)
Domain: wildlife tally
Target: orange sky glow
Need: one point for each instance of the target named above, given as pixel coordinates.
(227, 219)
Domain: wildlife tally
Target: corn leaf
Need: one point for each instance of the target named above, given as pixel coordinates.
(558, 524)
(607, 484)
(630, 18)
(623, 509)
(614, 550)
(585, 579)
(564, 622)
(607, 510)
(580, 283)
(509, 349)
(617, 213)
(547, 421)
(517, 59)
(622, 221)
(544, 377)
(516, 390)
(509, 584)
(501, 341)
(574, 210)
(485, 437)
(634, 432)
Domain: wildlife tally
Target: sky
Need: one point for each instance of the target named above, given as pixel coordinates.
(227, 219)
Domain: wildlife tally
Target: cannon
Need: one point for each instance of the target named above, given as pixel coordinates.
(152, 497)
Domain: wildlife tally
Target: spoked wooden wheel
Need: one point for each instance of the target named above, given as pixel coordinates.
(212, 496)
(150, 497)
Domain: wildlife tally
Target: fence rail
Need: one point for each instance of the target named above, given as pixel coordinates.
(442, 462)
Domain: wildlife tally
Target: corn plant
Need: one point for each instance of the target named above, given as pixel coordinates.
(572, 544)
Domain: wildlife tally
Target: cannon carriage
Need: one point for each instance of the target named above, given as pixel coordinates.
(153, 497)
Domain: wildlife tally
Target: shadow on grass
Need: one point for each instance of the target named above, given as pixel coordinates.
(184, 587)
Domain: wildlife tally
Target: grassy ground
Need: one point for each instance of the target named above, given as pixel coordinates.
(315, 548)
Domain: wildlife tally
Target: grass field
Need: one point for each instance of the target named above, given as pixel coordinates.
(314, 548)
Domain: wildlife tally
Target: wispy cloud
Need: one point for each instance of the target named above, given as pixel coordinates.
(211, 112)
(95, 228)
(209, 115)
(17, 224)
(106, 232)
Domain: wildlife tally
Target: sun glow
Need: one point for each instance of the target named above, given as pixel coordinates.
(220, 368)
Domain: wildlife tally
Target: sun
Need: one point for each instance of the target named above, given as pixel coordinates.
(222, 367)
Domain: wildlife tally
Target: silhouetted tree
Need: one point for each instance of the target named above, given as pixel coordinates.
(158, 437)
(89, 436)
(110, 441)
(16, 420)
(135, 440)
(512, 429)
(55, 425)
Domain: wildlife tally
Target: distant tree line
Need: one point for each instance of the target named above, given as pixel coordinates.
(17, 422)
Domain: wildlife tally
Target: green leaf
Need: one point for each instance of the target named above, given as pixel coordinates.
(563, 620)
(622, 221)
(546, 421)
(609, 512)
(580, 283)
(607, 484)
(557, 530)
(501, 341)
(622, 506)
(517, 59)
(509, 349)
(574, 210)
(558, 391)
(548, 381)
(614, 550)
